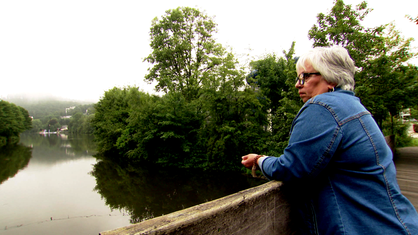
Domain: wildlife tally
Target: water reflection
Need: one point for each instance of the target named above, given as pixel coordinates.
(146, 193)
(53, 185)
(12, 159)
(46, 188)
(49, 149)
(53, 149)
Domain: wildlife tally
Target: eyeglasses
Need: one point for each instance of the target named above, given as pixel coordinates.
(303, 76)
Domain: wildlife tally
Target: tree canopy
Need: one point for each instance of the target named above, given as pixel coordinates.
(212, 113)
(412, 19)
(273, 77)
(384, 82)
(14, 120)
(208, 117)
(342, 26)
(185, 54)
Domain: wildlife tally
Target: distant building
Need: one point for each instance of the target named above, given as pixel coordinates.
(405, 115)
(70, 108)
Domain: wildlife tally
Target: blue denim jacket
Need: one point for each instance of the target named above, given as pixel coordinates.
(336, 147)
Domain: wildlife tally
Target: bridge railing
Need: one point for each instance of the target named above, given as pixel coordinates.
(258, 210)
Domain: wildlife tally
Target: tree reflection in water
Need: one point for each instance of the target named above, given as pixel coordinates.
(146, 193)
(12, 159)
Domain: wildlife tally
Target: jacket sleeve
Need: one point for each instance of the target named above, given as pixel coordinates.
(314, 139)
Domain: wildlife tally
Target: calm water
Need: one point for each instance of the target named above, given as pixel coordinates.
(54, 185)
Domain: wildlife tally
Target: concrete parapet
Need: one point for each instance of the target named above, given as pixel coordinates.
(258, 210)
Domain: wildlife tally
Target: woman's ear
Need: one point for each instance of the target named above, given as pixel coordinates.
(331, 87)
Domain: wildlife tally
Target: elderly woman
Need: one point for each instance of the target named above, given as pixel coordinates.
(339, 155)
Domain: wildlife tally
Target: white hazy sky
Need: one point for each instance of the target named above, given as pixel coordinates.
(78, 49)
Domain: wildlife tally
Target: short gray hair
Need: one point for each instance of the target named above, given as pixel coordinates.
(334, 64)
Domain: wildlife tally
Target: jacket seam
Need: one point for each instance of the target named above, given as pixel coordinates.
(338, 205)
(334, 136)
(388, 190)
(327, 150)
(341, 123)
(315, 221)
(340, 130)
(328, 108)
(354, 117)
(331, 110)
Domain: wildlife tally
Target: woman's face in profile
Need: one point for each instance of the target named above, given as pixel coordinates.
(313, 85)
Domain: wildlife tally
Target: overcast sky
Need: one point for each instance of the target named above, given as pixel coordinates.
(78, 49)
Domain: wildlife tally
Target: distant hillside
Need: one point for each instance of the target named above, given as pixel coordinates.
(40, 107)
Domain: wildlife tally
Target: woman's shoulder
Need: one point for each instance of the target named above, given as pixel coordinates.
(342, 103)
(338, 97)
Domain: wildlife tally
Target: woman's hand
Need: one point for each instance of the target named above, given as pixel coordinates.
(248, 160)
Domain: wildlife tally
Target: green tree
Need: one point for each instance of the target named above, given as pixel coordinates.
(53, 124)
(14, 120)
(168, 122)
(342, 26)
(383, 81)
(268, 76)
(76, 122)
(27, 120)
(389, 84)
(234, 122)
(274, 79)
(412, 19)
(80, 120)
(185, 54)
(289, 105)
(86, 125)
(110, 119)
(223, 114)
(36, 125)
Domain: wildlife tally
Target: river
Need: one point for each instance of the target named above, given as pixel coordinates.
(52, 184)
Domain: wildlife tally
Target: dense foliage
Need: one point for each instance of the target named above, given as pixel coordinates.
(412, 19)
(209, 116)
(274, 80)
(81, 123)
(14, 120)
(211, 113)
(185, 54)
(385, 83)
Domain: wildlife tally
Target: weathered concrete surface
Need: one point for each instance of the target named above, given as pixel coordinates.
(406, 161)
(258, 210)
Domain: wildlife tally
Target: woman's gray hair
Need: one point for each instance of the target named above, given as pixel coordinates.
(334, 64)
